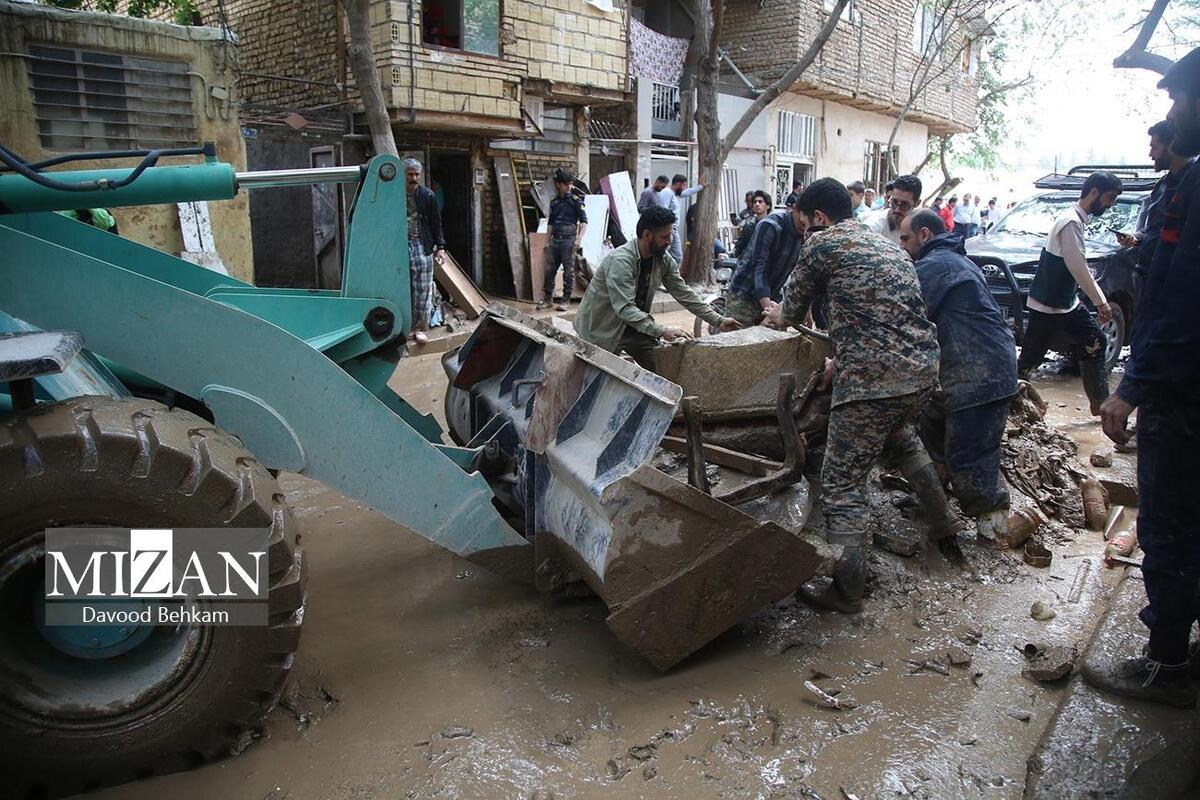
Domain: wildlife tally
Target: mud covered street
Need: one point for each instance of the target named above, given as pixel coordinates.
(420, 675)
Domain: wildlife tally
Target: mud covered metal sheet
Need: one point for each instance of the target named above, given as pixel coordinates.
(571, 430)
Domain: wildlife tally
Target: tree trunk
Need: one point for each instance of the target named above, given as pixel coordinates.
(366, 75)
(712, 150)
(1137, 57)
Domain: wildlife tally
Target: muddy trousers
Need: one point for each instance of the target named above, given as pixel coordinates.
(560, 252)
(861, 434)
(967, 443)
(1168, 433)
(640, 348)
(1044, 331)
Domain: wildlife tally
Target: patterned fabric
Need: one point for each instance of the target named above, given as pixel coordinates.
(654, 56)
(420, 275)
(743, 309)
(885, 345)
(861, 433)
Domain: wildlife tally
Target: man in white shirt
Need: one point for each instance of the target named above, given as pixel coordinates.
(669, 199)
(858, 192)
(906, 194)
(962, 216)
(976, 217)
(1053, 306)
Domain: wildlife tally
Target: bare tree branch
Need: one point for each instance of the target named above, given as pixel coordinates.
(1137, 56)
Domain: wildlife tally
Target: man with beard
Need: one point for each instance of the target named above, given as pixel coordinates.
(1150, 220)
(1162, 381)
(1053, 306)
(885, 367)
(615, 310)
(963, 424)
(905, 195)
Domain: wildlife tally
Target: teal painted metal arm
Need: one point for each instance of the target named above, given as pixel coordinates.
(292, 406)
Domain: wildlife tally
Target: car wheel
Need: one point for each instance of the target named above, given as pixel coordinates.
(1114, 335)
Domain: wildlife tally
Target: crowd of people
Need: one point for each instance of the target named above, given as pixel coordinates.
(924, 364)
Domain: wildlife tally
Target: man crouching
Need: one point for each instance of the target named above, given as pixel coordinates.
(615, 310)
(885, 368)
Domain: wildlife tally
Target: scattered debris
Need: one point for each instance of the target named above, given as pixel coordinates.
(931, 665)
(458, 732)
(1037, 554)
(1042, 611)
(1019, 715)
(829, 700)
(464, 575)
(1121, 544)
(1051, 664)
(649, 772)
(895, 543)
(617, 769)
(1102, 457)
(958, 657)
(1041, 463)
(244, 740)
(643, 752)
(1095, 503)
(847, 794)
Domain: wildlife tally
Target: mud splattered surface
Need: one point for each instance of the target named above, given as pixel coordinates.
(422, 676)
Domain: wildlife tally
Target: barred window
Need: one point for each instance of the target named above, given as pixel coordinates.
(87, 100)
(558, 129)
(797, 135)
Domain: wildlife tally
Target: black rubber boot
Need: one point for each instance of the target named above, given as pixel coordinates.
(1143, 678)
(943, 522)
(1094, 373)
(845, 594)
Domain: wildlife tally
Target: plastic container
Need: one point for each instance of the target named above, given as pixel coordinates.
(1095, 503)
(1122, 543)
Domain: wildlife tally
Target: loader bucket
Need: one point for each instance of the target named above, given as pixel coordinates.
(568, 433)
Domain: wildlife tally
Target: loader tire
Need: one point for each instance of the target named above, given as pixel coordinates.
(182, 694)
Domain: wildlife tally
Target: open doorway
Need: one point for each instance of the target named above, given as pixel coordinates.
(450, 180)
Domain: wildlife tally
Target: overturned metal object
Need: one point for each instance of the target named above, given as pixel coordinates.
(568, 432)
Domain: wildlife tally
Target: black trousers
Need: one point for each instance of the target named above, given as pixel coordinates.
(1044, 331)
(967, 443)
(1168, 438)
(640, 348)
(560, 251)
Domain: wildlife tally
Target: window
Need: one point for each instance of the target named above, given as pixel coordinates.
(970, 57)
(786, 176)
(797, 135)
(108, 101)
(877, 171)
(472, 25)
(558, 128)
(849, 13)
(929, 28)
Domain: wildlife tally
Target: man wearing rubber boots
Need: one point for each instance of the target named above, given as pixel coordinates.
(963, 425)
(1054, 307)
(885, 367)
(568, 223)
(1162, 381)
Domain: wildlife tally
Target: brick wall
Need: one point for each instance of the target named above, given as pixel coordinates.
(868, 64)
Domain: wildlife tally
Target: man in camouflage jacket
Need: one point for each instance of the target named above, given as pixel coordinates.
(885, 367)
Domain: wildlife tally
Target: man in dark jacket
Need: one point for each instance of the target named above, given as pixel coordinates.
(760, 204)
(425, 243)
(1162, 381)
(568, 223)
(757, 283)
(964, 421)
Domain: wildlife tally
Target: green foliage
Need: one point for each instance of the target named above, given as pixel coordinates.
(182, 11)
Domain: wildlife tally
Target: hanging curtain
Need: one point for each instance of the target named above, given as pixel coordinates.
(656, 57)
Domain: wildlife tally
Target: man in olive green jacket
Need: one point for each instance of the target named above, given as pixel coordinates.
(615, 311)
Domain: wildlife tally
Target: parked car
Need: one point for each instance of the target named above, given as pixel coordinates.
(1008, 253)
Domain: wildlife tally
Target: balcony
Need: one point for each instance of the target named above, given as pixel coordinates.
(666, 113)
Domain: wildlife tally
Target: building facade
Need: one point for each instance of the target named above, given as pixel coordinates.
(73, 81)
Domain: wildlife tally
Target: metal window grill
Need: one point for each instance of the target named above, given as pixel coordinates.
(108, 101)
(664, 103)
(797, 135)
(730, 201)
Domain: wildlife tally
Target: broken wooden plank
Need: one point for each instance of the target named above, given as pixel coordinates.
(743, 462)
(462, 290)
(514, 224)
(697, 466)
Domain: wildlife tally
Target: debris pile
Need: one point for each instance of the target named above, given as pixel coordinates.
(1040, 463)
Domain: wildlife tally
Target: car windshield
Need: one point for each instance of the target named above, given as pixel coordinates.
(1037, 214)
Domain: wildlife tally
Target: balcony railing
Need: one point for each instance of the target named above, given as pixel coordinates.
(665, 103)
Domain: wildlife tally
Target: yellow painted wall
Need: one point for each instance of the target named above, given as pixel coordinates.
(156, 226)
